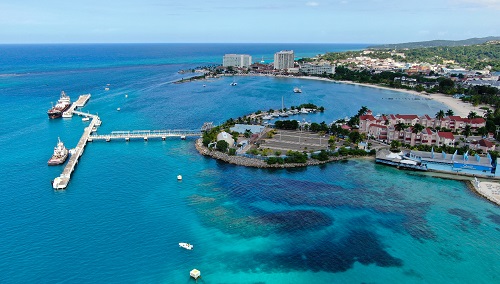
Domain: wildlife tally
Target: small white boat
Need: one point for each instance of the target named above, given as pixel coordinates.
(86, 118)
(233, 83)
(297, 90)
(67, 114)
(179, 177)
(126, 95)
(183, 137)
(106, 89)
(267, 117)
(204, 85)
(186, 246)
(118, 109)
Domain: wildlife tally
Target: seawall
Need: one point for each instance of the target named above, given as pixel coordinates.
(257, 163)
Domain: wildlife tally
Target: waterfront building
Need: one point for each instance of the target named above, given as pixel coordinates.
(242, 128)
(439, 162)
(237, 60)
(317, 69)
(384, 127)
(226, 137)
(284, 59)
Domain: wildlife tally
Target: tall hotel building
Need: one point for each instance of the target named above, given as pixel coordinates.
(237, 60)
(284, 59)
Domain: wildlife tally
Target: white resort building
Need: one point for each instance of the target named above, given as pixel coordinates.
(317, 69)
(237, 60)
(284, 59)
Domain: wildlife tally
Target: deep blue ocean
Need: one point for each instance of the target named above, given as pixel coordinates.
(124, 213)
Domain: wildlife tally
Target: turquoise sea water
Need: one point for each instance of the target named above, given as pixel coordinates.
(124, 212)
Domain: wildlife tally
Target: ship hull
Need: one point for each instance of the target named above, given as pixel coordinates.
(57, 113)
(54, 161)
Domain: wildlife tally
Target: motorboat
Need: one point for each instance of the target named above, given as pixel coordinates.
(297, 90)
(179, 177)
(86, 118)
(186, 246)
(267, 117)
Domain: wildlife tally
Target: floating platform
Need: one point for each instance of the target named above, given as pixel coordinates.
(195, 273)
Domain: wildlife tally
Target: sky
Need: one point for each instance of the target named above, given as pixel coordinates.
(246, 21)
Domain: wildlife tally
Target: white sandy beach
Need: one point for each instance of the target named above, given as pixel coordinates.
(459, 107)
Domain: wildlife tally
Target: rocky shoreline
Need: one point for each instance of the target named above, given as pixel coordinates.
(257, 163)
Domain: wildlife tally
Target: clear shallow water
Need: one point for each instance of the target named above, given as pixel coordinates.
(124, 211)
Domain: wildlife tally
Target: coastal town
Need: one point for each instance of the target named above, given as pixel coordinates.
(444, 142)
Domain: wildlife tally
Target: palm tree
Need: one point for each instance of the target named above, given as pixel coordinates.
(450, 112)
(467, 130)
(440, 114)
(472, 115)
(362, 110)
(400, 127)
(417, 128)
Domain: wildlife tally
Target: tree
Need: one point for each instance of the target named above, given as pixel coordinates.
(222, 146)
(248, 133)
(440, 114)
(395, 144)
(417, 128)
(472, 114)
(355, 137)
(467, 130)
(450, 112)
(362, 110)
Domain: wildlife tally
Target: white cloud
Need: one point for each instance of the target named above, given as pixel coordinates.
(312, 4)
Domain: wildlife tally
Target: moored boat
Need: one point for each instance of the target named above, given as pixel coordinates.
(297, 90)
(60, 154)
(186, 246)
(62, 105)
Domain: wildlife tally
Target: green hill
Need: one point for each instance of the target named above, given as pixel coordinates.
(436, 43)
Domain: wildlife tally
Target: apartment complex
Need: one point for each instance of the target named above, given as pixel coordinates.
(237, 60)
(284, 59)
(388, 128)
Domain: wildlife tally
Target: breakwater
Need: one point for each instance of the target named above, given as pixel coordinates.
(257, 163)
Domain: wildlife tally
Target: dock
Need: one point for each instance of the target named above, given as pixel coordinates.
(61, 182)
(82, 100)
(144, 134)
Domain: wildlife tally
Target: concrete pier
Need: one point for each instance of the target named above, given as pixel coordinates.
(82, 100)
(61, 182)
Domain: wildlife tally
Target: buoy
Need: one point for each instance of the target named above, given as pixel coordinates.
(195, 273)
(179, 177)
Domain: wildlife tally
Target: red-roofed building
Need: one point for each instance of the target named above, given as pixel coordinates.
(485, 145)
(446, 138)
(410, 119)
(378, 132)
